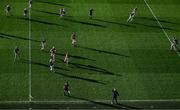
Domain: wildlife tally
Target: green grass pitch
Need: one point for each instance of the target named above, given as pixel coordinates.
(133, 57)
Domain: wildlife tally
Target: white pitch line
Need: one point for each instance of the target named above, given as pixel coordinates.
(30, 55)
(81, 101)
(150, 9)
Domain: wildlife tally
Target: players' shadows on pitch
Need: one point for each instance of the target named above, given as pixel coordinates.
(72, 56)
(160, 20)
(156, 27)
(8, 36)
(80, 78)
(41, 64)
(77, 57)
(63, 74)
(103, 51)
(4, 37)
(88, 67)
(92, 68)
(105, 105)
(38, 21)
(122, 24)
(82, 22)
(52, 13)
(51, 3)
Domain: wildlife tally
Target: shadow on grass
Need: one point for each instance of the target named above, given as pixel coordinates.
(52, 13)
(156, 27)
(41, 64)
(89, 67)
(63, 74)
(51, 3)
(116, 106)
(45, 12)
(85, 67)
(4, 37)
(80, 78)
(8, 36)
(80, 57)
(103, 51)
(38, 21)
(86, 23)
(77, 57)
(163, 21)
(72, 56)
(127, 25)
(93, 68)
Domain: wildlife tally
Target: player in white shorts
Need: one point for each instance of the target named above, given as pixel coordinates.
(132, 15)
(53, 53)
(73, 39)
(174, 44)
(51, 64)
(25, 12)
(30, 3)
(7, 9)
(66, 58)
(62, 12)
(43, 44)
(16, 53)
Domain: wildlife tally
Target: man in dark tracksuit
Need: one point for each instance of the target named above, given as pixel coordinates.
(115, 94)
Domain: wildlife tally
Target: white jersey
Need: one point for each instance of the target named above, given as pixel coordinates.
(30, 2)
(133, 13)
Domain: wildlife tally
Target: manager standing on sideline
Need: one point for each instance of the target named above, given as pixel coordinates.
(115, 94)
